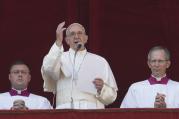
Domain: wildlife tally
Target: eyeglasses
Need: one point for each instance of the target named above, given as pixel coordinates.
(157, 61)
(73, 34)
(16, 72)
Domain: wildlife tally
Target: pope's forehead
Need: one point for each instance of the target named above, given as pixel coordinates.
(75, 26)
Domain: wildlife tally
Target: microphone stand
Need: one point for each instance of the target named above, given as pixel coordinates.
(73, 74)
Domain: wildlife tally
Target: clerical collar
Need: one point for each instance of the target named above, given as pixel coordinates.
(14, 92)
(152, 80)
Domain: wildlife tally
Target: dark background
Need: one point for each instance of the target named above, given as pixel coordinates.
(122, 31)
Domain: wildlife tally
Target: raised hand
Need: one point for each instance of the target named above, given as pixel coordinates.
(59, 33)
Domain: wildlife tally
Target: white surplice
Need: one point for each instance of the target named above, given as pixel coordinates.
(142, 94)
(32, 101)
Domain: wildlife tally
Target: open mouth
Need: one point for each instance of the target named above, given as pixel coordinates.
(76, 42)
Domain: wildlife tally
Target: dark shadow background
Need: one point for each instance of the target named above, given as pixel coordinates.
(122, 31)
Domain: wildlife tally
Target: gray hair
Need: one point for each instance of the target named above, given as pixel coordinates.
(167, 53)
(68, 28)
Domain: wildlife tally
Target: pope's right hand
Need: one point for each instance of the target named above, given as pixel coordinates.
(59, 33)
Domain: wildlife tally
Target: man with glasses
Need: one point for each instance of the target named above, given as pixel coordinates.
(158, 91)
(19, 98)
(80, 79)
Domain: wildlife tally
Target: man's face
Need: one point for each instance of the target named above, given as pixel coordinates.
(158, 63)
(19, 76)
(76, 35)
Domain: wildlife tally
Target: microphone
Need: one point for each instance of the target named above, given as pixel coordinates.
(79, 45)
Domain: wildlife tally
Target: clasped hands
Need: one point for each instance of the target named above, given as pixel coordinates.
(19, 105)
(160, 101)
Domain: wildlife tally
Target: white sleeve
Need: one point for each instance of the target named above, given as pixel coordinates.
(51, 68)
(108, 95)
(45, 104)
(109, 91)
(51, 61)
(176, 99)
(129, 100)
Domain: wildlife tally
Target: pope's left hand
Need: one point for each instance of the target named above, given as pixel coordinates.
(99, 83)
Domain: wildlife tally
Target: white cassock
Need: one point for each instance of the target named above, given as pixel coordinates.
(32, 101)
(142, 94)
(71, 79)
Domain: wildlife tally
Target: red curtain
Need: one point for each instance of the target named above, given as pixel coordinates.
(120, 30)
